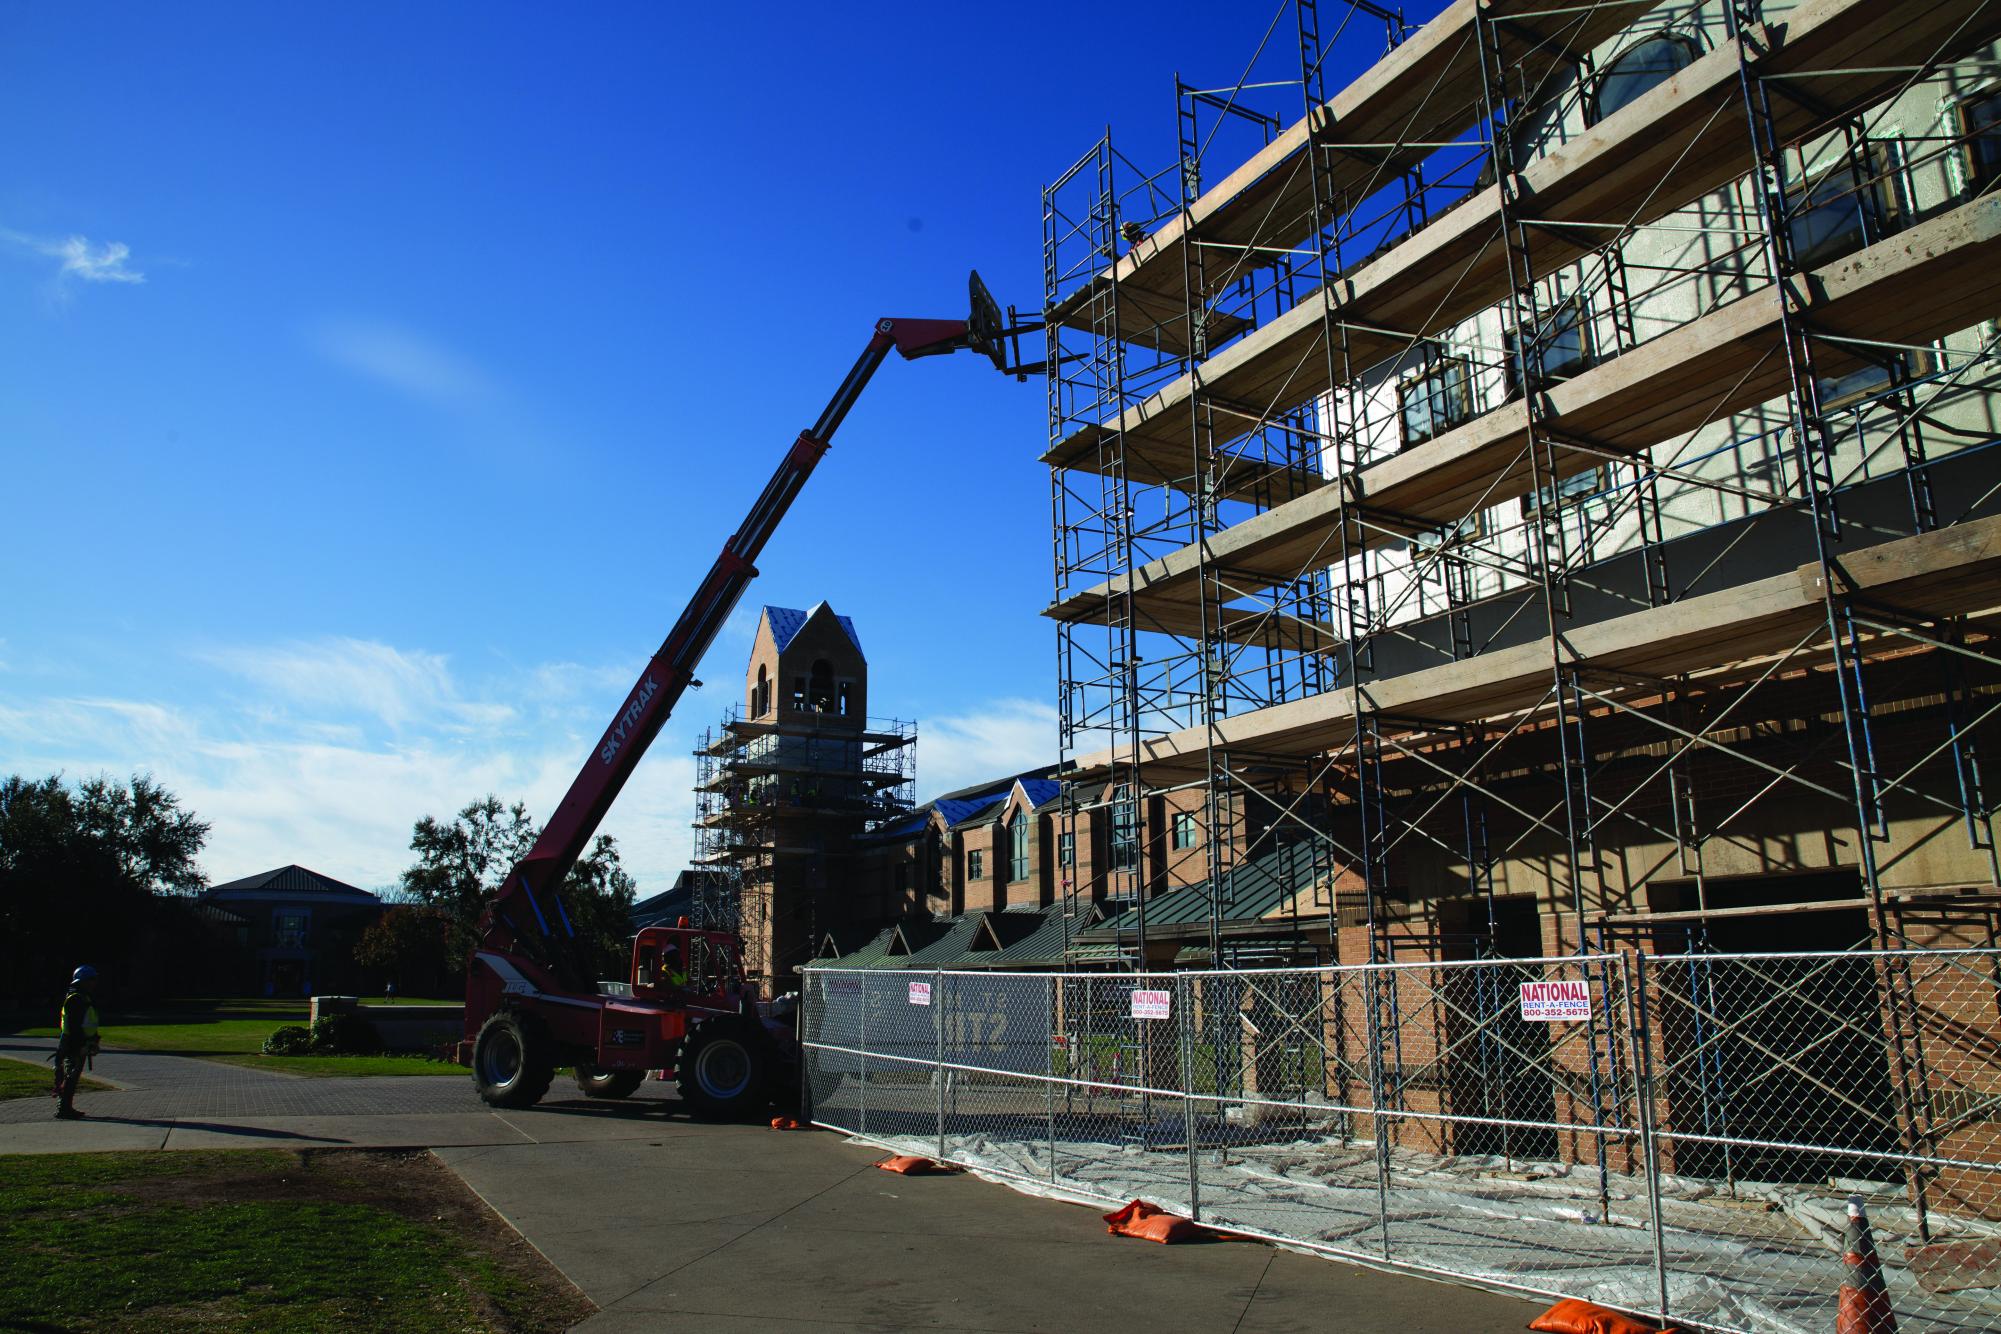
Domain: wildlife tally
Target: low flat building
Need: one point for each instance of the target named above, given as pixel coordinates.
(295, 931)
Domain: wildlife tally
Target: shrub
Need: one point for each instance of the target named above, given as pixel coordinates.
(345, 1035)
(291, 1040)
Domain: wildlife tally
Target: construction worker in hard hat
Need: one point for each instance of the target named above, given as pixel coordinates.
(78, 1041)
(673, 970)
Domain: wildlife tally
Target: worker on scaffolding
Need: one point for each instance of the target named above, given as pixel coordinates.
(77, 1043)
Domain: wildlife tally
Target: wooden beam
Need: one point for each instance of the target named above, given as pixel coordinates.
(1710, 914)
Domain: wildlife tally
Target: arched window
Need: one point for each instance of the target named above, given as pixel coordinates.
(1017, 838)
(760, 698)
(1641, 67)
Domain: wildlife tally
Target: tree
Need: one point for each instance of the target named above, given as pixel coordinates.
(460, 866)
(409, 945)
(600, 897)
(82, 872)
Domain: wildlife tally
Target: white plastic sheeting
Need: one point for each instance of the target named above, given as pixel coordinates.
(1766, 1259)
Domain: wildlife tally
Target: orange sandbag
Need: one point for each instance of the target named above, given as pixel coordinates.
(910, 1166)
(785, 1123)
(1577, 1317)
(1150, 1223)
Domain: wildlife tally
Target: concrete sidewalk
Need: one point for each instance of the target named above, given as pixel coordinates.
(668, 1224)
(173, 1102)
(733, 1228)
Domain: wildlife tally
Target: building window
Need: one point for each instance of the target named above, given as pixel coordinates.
(760, 698)
(1066, 849)
(1560, 349)
(1638, 70)
(1469, 529)
(976, 864)
(1837, 212)
(1569, 491)
(1980, 126)
(288, 930)
(1184, 830)
(1017, 842)
(1870, 380)
(1435, 400)
(1125, 835)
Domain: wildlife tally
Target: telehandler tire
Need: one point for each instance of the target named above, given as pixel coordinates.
(595, 1083)
(513, 1059)
(726, 1070)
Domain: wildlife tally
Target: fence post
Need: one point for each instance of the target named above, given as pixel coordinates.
(1049, 1057)
(1184, 1021)
(861, 1045)
(938, 998)
(1372, 999)
(1637, 1020)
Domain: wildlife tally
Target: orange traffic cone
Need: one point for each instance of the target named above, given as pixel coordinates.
(1865, 1302)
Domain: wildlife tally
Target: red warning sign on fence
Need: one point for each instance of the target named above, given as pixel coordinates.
(1151, 1004)
(920, 993)
(1556, 1002)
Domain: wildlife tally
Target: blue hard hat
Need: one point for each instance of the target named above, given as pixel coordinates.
(83, 974)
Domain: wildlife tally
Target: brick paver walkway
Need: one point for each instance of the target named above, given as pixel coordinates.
(155, 1086)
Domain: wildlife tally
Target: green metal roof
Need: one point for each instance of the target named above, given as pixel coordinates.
(949, 949)
(981, 939)
(895, 946)
(866, 956)
(1252, 892)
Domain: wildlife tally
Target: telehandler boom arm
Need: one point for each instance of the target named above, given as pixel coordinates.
(527, 921)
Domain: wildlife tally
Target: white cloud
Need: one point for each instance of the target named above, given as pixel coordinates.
(407, 362)
(397, 687)
(280, 780)
(80, 259)
(1000, 737)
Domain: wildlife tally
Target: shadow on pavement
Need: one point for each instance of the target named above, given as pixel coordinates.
(217, 1127)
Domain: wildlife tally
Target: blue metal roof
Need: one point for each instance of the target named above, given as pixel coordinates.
(1040, 791)
(912, 824)
(787, 622)
(957, 811)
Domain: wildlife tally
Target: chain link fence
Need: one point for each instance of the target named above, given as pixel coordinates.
(1677, 1136)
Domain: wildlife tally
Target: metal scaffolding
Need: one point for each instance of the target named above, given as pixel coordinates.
(784, 800)
(1556, 462)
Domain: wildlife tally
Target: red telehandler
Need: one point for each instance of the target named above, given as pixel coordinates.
(532, 1002)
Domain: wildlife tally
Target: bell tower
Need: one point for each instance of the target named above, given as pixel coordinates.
(795, 773)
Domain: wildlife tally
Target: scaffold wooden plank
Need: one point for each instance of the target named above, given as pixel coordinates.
(1931, 280)
(1678, 142)
(1950, 571)
(1425, 90)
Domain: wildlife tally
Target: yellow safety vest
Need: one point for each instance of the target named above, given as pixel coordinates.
(89, 1016)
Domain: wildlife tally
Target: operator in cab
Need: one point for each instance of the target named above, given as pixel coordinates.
(77, 1023)
(673, 971)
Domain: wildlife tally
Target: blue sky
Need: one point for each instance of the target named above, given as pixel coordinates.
(380, 380)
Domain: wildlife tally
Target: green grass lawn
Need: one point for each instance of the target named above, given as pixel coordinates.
(18, 1079)
(264, 1240)
(233, 1031)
